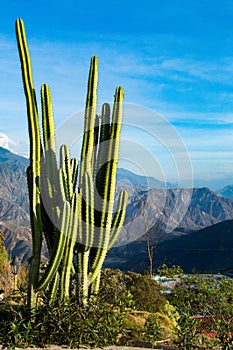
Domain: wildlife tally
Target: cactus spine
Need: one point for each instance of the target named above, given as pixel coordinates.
(74, 224)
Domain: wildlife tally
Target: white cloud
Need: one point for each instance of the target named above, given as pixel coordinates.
(7, 143)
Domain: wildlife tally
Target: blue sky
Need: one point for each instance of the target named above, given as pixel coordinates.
(174, 57)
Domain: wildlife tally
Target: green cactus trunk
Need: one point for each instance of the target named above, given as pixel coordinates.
(77, 224)
(33, 173)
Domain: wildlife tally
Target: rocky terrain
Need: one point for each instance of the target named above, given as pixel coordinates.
(226, 192)
(14, 204)
(165, 212)
(209, 250)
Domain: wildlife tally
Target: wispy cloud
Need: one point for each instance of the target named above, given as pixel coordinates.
(193, 94)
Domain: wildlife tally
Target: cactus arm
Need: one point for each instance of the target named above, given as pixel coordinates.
(74, 172)
(54, 288)
(94, 153)
(96, 284)
(65, 164)
(49, 142)
(119, 218)
(114, 147)
(102, 157)
(89, 123)
(62, 183)
(109, 184)
(85, 277)
(97, 265)
(34, 131)
(49, 171)
(88, 204)
(88, 196)
(58, 249)
(92, 84)
(47, 119)
(87, 154)
(70, 243)
(110, 177)
(105, 126)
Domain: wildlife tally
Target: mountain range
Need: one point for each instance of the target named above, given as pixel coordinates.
(208, 250)
(167, 213)
(226, 191)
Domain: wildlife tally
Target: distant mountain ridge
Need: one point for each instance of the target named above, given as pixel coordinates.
(139, 181)
(226, 192)
(161, 205)
(186, 210)
(209, 250)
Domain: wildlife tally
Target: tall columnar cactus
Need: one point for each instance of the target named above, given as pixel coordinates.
(73, 209)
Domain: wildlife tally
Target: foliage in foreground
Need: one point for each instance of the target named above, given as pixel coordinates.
(66, 323)
(112, 318)
(205, 305)
(118, 317)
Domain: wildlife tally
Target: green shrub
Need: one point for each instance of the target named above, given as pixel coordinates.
(136, 290)
(66, 324)
(152, 329)
(114, 317)
(209, 298)
(146, 293)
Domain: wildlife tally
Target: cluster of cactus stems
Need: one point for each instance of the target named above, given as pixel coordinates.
(71, 204)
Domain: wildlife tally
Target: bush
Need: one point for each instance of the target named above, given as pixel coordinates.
(66, 323)
(152, 329)
(146, 293)
(138, 291)
(205, 306)
(114, 317)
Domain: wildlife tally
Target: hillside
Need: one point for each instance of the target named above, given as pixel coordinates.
(167, 213)
(226, 192)
(139, 181)
(173, 212)
(14, 204)
(207, 250)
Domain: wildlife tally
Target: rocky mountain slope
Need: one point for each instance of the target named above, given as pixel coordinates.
(143, 182)
(168, 213)
(226, 191)
(14, 205)
(164, 212)
(208, 250)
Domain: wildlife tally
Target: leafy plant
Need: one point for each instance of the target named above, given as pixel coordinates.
(187, 332)
(67, 323)
(146, 292)
(173, 271)
(209, 298)
(152, 329)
